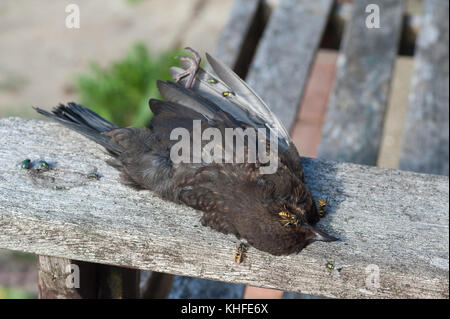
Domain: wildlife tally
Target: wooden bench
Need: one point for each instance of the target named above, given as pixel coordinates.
(393, 224)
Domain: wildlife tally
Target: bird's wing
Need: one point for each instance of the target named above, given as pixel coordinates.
(233, 96)
(224, 100)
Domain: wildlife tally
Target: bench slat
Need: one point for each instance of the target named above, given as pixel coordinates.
(239, 38)
(354, 121)
(282, 62)
(426, 135)
(396, 220)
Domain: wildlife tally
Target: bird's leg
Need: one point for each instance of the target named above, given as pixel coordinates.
(194, 64)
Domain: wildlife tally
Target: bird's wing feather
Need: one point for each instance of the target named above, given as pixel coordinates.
(250, 99)
(177, 94)
(243, 103)
(214, 94)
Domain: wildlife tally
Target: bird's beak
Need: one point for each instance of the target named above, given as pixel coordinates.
(317, 235)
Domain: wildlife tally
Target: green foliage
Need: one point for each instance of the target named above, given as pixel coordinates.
(121, 91)
(134, 1)
(23, 257)
(11, 293)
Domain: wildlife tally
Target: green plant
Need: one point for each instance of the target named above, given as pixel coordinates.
(12, 293)
(134, 1)
(120, 92)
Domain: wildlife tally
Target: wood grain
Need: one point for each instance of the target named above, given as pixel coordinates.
(353, 124)
(240, 36)
(395, 220)
(56, 278)
(426, 136)
(282, 62)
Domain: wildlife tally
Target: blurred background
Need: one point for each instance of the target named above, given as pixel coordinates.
(111, 64)
(121, 46)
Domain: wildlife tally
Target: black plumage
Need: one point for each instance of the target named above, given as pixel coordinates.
(273, 212)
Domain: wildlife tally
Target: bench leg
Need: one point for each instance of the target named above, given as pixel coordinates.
(70, 279)
(157, 285)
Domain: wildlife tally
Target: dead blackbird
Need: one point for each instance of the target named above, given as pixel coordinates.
(273, 212)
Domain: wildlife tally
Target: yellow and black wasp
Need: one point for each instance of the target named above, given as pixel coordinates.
(288, 219)
(323, 205)
(239, 253)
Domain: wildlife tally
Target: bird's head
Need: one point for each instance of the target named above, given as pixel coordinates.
(280, 228)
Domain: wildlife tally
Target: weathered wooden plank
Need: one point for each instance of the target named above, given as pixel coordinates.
(281, 65)
(341, 15)
(61, 278)
(239, 38)
(354, 121)
(426, 136)
(395, 220)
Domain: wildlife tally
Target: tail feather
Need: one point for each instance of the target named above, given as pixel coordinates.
(85, 122)
(84, 116)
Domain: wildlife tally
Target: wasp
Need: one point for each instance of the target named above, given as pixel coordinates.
(322, 207)
(288, 219)
(239, 253)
